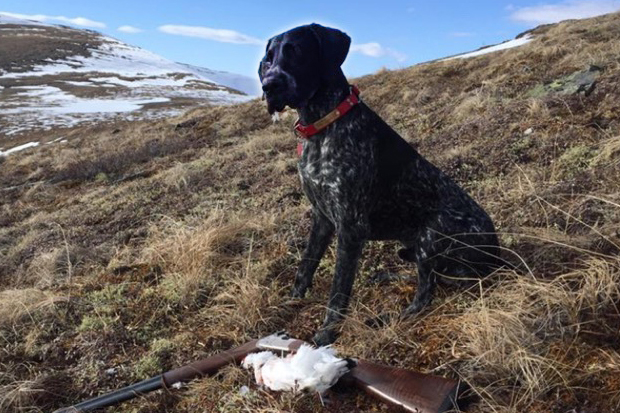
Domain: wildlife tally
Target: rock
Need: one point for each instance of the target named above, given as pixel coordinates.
(578, 82)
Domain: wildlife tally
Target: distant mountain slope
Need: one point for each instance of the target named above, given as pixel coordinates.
(4, 19)
(245, 84)
(56, 76)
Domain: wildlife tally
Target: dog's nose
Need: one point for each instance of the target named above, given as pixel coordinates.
(273, 85)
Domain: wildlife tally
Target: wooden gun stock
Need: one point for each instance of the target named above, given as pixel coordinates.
(413, 391)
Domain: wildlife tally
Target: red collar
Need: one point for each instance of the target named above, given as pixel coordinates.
(304, 131)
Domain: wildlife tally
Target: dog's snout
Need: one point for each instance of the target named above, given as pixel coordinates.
(273, 85)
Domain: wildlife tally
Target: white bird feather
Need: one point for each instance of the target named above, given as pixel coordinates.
(314, 369)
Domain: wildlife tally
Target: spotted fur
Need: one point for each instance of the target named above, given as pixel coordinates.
(367, 183)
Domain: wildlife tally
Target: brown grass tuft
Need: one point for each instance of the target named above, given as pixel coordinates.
(190, 257)
(512, 332)
(15, 305)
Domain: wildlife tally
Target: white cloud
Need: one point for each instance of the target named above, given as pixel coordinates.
(369, 49)
(571, 9)
(77, 21)
(218, 35)
(129, 29)
(374, 49)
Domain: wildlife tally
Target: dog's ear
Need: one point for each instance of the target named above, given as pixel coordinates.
(334, 45)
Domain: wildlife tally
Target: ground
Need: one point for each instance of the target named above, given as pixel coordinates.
(137, 247)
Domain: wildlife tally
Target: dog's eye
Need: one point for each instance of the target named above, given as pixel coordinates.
(288, 50)
(269, 56)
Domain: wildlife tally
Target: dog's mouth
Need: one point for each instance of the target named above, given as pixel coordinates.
(275, 104)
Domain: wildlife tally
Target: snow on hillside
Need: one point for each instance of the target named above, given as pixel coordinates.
(4, 19)
(18, 148)
(114, 56)
(245, 84)
(109, 80)
(50, 107)
(490, 49)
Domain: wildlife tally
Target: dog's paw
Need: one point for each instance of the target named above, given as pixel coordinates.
(292, 304)
(324, 338)
(414, 309)
(297, 293)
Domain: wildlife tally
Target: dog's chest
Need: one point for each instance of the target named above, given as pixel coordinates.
(320, 173)
(331, 172)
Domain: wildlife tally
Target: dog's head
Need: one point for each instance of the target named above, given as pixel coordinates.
(298, 62)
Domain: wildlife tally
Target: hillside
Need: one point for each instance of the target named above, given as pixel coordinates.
(138, 247)
(58, 77)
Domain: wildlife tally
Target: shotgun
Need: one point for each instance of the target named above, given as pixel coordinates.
(416, 392)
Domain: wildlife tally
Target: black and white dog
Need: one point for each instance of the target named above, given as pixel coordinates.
(365, 182)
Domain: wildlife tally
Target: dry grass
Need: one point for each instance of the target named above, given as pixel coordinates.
(140, 247)
(19, 305)
(527, 331)
(191, 257)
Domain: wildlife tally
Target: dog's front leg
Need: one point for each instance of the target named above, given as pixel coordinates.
(320, 236)
(350, 244)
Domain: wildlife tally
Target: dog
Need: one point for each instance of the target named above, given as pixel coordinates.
(364, 181)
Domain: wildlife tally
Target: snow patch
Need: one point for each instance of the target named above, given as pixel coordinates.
(19, 148)
(77, 83)
(145, 82)
(248, 85)
(50, 107)
(56, 100)
(502, 46)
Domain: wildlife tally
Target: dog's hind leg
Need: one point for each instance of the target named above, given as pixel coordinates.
(427, 281)
(405, 254)
(456, 260)
(320, 236)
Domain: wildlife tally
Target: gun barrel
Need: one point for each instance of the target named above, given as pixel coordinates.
(116, 397)
(200, 368)
(209, 365)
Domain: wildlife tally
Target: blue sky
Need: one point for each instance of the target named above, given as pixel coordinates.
(230, 34)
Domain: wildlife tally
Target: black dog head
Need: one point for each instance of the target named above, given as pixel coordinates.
(298, 62)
